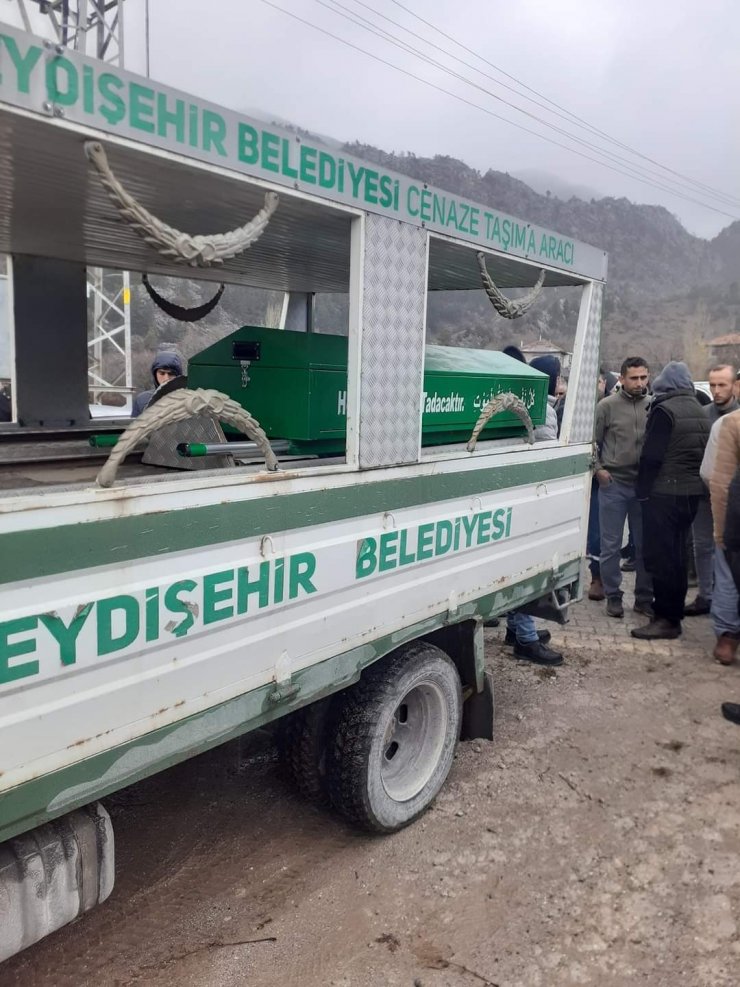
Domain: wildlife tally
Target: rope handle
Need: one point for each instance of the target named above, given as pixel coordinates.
(502, 402)
(507, 307)
(182, 248)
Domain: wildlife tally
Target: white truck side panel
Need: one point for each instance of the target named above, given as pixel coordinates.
(95, 701)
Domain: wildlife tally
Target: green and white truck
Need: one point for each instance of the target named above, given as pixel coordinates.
(332, 569)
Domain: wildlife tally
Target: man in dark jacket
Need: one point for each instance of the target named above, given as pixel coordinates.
(166, 365)
(669, 487)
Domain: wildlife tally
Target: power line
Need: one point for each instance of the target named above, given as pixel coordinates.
(497, 116)
(636, 170)
(601, 133)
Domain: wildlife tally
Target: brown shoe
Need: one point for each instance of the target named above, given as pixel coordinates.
(596, 589)
(725, 649)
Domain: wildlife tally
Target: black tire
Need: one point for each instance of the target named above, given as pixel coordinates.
(302, 741)
(394, 738)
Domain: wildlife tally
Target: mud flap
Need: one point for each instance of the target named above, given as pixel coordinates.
(478, 709)
(553, 606)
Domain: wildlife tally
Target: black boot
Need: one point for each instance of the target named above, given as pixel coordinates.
(544, 637)
(537, 652)
(698, 608)
(731, 712)
(658, 628)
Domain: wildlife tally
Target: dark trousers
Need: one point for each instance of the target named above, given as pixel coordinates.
(666, 520)
(593, 537)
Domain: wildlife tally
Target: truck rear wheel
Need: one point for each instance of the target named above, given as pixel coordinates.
(394, 739)
(302, 742)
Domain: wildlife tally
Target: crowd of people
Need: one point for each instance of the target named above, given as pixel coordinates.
(666, 468)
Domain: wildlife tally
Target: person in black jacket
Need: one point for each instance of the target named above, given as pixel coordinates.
(669, 487)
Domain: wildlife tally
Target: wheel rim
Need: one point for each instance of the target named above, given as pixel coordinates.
(413, 741)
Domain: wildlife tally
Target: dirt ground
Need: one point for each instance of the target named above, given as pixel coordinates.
(594, 842)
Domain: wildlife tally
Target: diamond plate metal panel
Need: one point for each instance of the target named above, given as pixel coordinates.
(582, 422)
(162, 448)
(393, 321)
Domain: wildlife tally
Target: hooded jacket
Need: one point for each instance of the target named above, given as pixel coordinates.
(165, 360)
(675, 438)
(549, 365)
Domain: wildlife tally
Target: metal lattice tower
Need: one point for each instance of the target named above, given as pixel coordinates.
(95, 28)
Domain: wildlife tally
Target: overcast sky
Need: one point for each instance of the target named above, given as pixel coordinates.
(659, 75)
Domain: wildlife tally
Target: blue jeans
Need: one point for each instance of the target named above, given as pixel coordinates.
(702, 530)
(724, 599)
(618, 502)
(593, 537)
(523, 627)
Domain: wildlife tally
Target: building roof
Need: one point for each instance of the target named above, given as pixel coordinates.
(543, 346)
(730, 339)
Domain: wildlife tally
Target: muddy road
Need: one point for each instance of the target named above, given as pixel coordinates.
(596, 841)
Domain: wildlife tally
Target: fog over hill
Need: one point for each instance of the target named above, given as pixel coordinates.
(546, 183)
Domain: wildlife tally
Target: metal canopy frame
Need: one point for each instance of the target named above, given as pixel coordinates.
(453, 267)
(95, 28)
(305, 247)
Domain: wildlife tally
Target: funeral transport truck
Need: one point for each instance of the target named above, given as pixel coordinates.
(306, 529)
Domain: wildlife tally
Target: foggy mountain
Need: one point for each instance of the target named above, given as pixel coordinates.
(668, 291)
(545, 182)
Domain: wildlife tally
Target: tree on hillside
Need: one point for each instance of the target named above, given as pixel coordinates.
(695, 354)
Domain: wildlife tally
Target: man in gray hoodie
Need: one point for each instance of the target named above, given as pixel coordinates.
(618, 436)
(669, 487)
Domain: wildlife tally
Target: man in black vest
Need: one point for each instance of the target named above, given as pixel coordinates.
(669, 487)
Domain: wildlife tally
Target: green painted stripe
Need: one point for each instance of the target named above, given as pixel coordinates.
(46, 551)
(49, 796)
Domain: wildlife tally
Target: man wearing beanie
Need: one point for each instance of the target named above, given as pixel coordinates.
(514, 352)
(669, 487)
(549, 365)
(618, 436)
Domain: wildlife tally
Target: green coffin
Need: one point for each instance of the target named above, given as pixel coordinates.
(295, 385)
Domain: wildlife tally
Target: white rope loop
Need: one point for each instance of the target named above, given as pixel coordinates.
(182, 248)
(176, 407)
(507, 307)
(502, 402)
